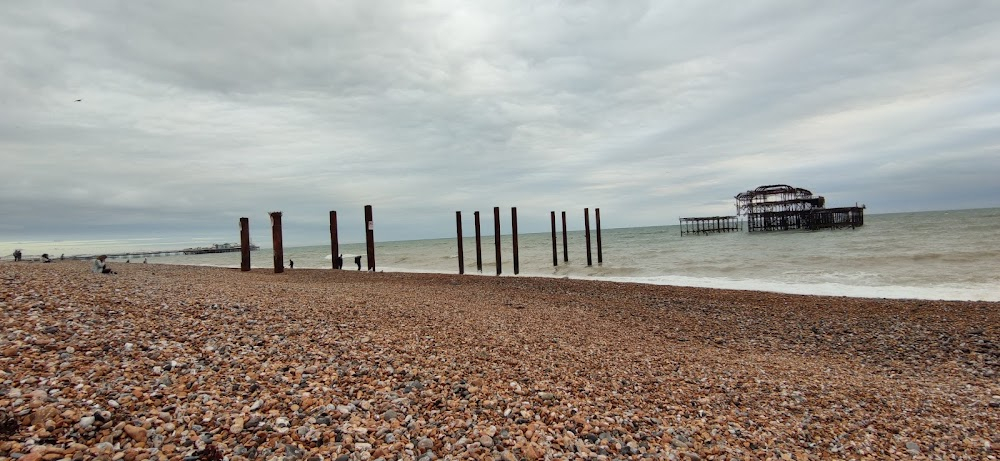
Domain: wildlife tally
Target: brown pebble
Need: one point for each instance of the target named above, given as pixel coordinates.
(136, 433)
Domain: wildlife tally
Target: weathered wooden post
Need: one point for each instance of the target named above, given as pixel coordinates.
(555, 251)
(245, 244)
(279, 252)
(479, 247)
(565, 246)
(370, 237)
(496, 234)
(334, 240)
(513, 229)
(461, 254)
(586, 227)
(597, 216)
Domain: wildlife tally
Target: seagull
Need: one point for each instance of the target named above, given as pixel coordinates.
(78, 100)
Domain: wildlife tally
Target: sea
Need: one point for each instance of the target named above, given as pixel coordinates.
(933, 255)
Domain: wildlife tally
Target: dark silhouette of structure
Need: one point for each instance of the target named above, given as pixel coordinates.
(783, 207)
(705, 225)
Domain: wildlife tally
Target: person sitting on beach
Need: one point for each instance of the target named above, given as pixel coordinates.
(46, 258)
(99, 267)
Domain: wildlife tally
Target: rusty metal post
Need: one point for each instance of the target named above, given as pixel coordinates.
(461, 254)
(565, 246)
(496, 234)
(334, 240)
(513, 228)
(555, 251)
(586, 227)
(245, 244)
(597, 216)
(279, 252)
(370, 237)
(479, 247)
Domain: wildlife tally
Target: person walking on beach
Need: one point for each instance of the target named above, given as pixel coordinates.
(99, 267)
(291, 264)
(357, 260)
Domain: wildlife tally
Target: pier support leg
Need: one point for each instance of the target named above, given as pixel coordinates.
(479, 247)
(586, 227)
(279, 251)
(334, 240)
(555, 250)
(370, 237)
(597, 217)
(496, 234)
(244, 244)
(513, 228)
(461, 254)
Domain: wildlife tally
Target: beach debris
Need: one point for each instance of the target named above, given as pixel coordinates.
(8, 424)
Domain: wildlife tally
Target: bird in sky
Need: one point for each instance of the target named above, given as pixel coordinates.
(78, 100)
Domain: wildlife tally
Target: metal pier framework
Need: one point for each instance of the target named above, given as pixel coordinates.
(783, 207)
(709, 224)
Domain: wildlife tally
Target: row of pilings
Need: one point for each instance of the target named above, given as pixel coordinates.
(513, 229)
(279, 256)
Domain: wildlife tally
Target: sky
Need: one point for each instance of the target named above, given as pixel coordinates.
(171, 120)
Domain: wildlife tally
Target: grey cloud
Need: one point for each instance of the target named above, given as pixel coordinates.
(195, 114)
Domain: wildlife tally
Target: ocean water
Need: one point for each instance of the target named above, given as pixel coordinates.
(949, 255)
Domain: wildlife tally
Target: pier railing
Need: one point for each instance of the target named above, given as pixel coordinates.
(709, 224)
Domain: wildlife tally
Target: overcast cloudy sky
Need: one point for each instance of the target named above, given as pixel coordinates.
(193, 113)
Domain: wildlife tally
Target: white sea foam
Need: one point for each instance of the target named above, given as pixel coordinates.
(983, 292)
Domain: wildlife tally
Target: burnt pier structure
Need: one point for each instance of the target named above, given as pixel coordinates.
(709, 224)
(783, 207)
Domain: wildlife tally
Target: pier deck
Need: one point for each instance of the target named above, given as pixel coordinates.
(709, 224)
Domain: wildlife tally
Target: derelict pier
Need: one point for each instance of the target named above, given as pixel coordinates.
(783, 207)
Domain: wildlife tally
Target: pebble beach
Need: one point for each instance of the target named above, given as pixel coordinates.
(184, 363)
